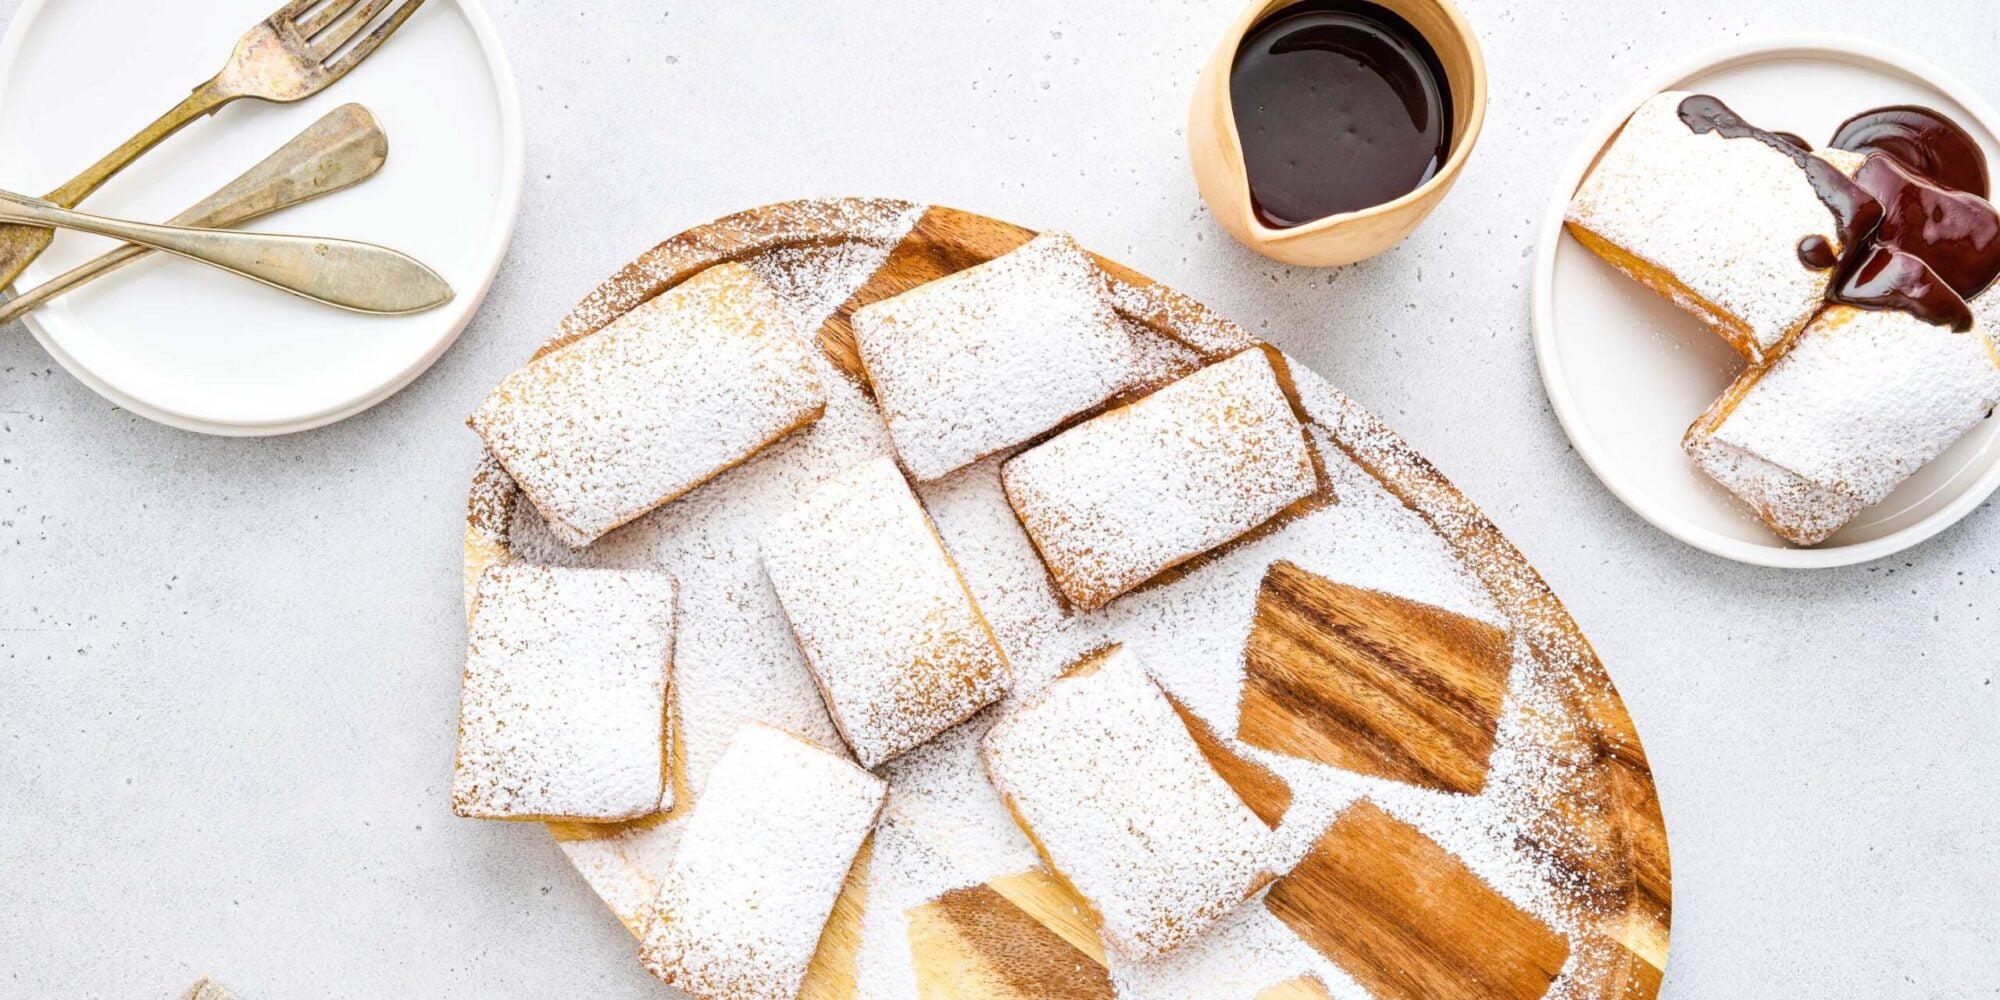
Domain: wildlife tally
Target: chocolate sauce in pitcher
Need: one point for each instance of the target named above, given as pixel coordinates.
(1340, 105)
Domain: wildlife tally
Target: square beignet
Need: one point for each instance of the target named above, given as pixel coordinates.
(894, 639)
(1111, 788)
(683, 387)
(1711, 223)
(759, 868)
(1129, 493)
(1861, 400)
(562, 712)
(993, 355)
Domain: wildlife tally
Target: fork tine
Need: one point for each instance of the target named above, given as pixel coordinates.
(291, 11)
(362, 49)
(315, 24)
(349, 26)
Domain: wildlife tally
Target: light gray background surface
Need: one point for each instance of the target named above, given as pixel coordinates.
(229, 668)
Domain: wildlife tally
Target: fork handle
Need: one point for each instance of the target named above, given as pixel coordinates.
(19, 245)
(358, 276)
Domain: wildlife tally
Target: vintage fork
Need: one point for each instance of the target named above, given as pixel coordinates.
(289, 56)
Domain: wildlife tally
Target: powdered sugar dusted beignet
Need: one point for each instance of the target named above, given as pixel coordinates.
(1711, 223)
(1109, 785)
(759, 867)
(1115, 500)
(993, 355)
(681, 388)
(562, 713)
(900, 651)
(1860, 401)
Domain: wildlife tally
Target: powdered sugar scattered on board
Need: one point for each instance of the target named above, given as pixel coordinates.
(794, 228)
(943, 827)
(735, 662)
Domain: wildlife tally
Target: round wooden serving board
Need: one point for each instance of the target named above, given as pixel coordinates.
(1408, 698)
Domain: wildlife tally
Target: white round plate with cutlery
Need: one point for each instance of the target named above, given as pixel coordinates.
(1627, 371)
(199, 349)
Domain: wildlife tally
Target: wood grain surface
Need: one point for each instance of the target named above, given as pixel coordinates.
(1370, 683)
(1408, 920)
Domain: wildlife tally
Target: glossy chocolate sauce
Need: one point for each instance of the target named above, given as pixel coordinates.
(1795, 139)
(1915, 240)
(1928, 142)
(1340, 105)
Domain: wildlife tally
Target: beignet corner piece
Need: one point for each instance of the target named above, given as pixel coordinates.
(890, 632)
(1711, 223)
(1860, 401)
(562, 711)
(684, 387)
(1137, 490)
(1103, 776)
(759, 866)
(989, 357)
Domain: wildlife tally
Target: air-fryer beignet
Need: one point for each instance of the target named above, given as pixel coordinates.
(1107, 782)
(1117, 499)
(1860, 401)
(759, 868)
(899, 648)
(683, 387)
(994, 355)
(562, 712)
(1711, 223)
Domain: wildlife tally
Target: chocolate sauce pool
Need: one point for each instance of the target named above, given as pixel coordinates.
(1917, 231)
(1928, 142)
(1340, 105)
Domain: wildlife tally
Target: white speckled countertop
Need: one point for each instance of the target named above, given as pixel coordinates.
(228, 668)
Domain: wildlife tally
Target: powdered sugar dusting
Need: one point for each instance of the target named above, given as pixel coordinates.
(1105, 777)
(1861, 400)
(1117, 499)
(1245, 954)
(945, 828)
(889, 630)
(1797, 509)
(562, 710)
(844, 225)
(735, 661)
(993, 355)
(1163, 308)
(682, 387)
(1547, 815)
(758, 868)
(1723, 216)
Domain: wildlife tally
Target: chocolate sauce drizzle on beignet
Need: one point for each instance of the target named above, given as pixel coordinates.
(1909, 239)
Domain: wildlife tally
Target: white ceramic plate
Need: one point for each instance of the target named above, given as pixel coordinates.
(1628, 372)
(200, 349)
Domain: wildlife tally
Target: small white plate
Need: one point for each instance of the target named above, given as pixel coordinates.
(199, 349)
(1628, 372)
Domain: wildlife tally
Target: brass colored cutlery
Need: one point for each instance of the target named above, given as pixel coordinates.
(292, 55)
(358, 276)
(343, 148)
